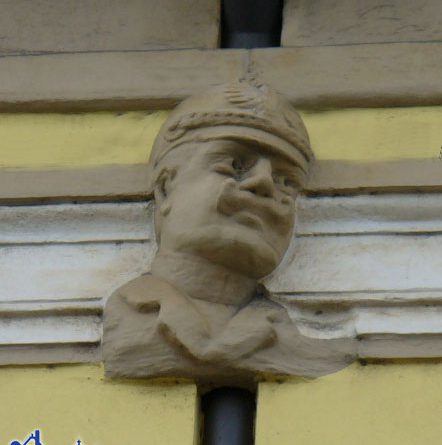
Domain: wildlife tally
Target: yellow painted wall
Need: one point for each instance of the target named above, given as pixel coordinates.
(68, 403)
(393, 404)
(77, 140)
(36, 141)
(376, 134)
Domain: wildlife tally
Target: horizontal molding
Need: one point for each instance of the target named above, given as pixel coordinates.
(83, 251)
(387, 213)
(48, 354)
(400, 346)
(116, 182)
(106, 183)
(70, 271)
(343, 75)
(418, 175)
(50, 330)
(59, 307)
(353, 263)
(328, 76)
(75, 223)
(404, 298)
(380, 320)
(401, 328)
(384, 330)
(340, 278)
(122, 80)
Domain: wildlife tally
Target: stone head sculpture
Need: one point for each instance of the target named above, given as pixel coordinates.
(225, 171)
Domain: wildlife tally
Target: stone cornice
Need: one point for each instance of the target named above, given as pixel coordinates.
(311, 77)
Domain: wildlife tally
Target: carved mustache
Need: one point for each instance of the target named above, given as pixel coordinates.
(232, 200)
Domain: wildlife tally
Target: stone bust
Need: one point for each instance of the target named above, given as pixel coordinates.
(225, 171)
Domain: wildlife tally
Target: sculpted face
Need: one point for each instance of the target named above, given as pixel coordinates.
(230, 202)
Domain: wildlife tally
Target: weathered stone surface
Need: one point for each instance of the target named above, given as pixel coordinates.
(47, 354)
(377, 263)
(387, 346)
(49, 330)
(388, 213)
(362, 75)
(70, 271)
(340, 22)
(106, 25)
(116, 80)
(329, 177)
(111, 181)
(76, 223)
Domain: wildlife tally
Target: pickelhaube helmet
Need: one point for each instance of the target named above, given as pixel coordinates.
(236, 111)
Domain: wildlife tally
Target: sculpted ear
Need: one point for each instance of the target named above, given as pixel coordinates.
(162, 189)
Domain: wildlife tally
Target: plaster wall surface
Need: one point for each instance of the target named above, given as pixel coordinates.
(68, 403)
(389, 404)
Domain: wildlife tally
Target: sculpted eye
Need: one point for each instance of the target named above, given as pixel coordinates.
(234, 166)
(286, 184)
(240, 167)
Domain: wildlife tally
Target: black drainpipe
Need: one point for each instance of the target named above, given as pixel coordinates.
(228, 416)
(251, 23)
(229, 413)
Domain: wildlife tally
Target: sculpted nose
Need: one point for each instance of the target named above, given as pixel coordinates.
(260, 180)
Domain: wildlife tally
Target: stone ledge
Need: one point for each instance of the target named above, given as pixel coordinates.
(397, 74)
(330, 177)
(125, 182)
(112, 80)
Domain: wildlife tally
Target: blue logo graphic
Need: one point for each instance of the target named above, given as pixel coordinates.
(34, 439)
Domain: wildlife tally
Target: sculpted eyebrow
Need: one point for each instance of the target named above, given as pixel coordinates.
(218, 155)
(291, 171)
(231, 148)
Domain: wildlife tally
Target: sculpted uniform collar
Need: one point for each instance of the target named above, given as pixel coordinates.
(183, 325)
